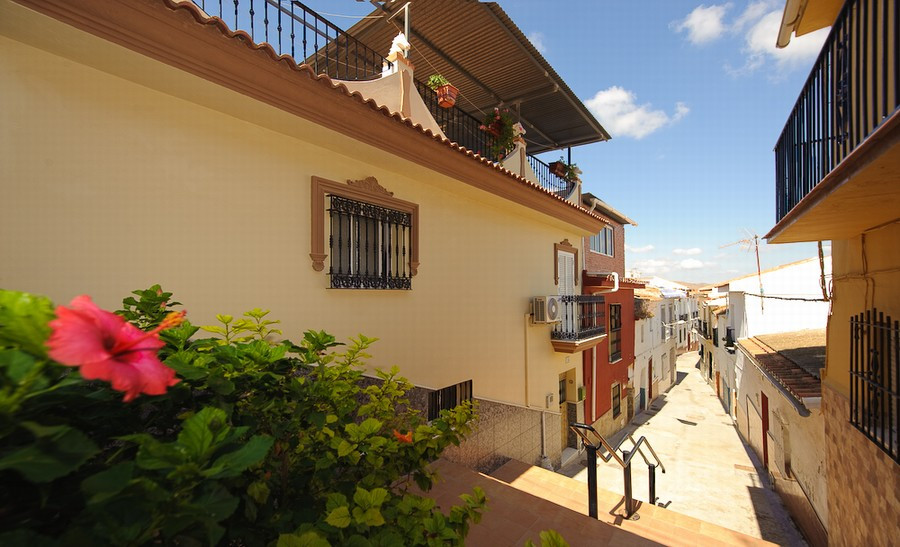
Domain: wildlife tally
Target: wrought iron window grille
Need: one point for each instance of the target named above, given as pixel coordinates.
(874, 372)
(448, 398)
(369, 245)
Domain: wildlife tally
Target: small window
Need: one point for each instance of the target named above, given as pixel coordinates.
(603, 242)
(616, 400)
(448, 398)
(615, 332)
(368, 237)
(369, 245)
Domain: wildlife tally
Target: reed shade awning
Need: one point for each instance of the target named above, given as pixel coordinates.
(481, 51)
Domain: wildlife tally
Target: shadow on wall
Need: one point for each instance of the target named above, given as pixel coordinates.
(682, 375)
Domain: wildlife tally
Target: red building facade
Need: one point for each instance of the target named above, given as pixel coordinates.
(605, 366)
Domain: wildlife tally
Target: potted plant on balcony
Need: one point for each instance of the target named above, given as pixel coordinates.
(563, 170)
(501, 125)
(446, 92)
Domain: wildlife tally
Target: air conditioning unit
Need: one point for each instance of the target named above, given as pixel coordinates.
(547, 309)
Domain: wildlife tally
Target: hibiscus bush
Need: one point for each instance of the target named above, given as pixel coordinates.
(137, 427)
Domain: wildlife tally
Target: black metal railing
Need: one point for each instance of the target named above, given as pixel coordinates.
(458, 125)
(292, 28)
(583, 316)
(549, 181)
(369, 245)
(874, 372)
(601, 445)
(853, 88)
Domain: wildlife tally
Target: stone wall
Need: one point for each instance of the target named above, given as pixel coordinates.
(863, 481)
(503, 432)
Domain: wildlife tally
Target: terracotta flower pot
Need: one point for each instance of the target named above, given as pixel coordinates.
(558, 168)
(446, 95)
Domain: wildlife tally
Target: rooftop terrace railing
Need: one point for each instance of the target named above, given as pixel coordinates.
(556, 184)
(853, 88)
(291, 27)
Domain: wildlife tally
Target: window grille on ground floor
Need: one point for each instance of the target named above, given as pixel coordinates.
(369, 245)
(874, 371)
(448, 398)
(616, 400)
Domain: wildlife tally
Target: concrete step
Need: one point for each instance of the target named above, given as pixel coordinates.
(654, 523)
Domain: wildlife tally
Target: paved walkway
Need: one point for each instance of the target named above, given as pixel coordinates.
(710, 473)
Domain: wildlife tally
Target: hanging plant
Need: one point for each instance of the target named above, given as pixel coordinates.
(501, 125)
(446, 92)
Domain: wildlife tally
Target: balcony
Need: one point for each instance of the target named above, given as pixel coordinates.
(836, 161)
(291, 28)
(582, 325)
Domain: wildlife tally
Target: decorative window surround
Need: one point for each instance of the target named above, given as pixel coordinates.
(366, 190)
(567, 247)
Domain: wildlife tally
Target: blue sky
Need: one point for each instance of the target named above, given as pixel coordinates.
(695, 96)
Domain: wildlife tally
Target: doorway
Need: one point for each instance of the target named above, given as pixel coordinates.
(764, 402)
(650, 381)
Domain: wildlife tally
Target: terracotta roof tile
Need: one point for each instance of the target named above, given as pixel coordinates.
(794, 377)
(202, 18)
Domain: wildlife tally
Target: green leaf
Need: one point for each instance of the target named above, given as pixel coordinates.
(23, 537)
(362, 497)
(345, 448)
(107, 483)
(202, 431)
(58, 451)
(24, 321)
(234, 463)
(378, 496)
(308, 539)
(339, 517)
(219, 384)
(551, 538)
(258, 492)
(370, 426)
(373, 517)
(183, 368)
(17, 364)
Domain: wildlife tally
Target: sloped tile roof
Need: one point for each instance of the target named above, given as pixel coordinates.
(790, 359)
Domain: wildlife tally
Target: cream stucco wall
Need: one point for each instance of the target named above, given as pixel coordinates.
(866, 276)
(110, 185)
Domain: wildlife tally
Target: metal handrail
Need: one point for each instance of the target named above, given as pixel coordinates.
(612, 450)
(581, 430)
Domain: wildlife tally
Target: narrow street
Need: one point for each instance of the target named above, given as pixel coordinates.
(710, 473)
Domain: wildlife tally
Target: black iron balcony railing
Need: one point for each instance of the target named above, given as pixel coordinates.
(583, 317)
(291, 27)
(458, 125)
(852, 89)
(874, 379)
(558, 185)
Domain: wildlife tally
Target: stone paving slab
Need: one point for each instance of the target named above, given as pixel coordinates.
(710, 474)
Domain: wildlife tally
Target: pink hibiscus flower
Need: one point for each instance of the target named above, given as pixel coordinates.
(106, 347)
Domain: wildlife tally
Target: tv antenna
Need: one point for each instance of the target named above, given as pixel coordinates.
(751, 242)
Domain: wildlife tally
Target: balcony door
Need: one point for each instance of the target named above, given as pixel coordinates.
(565, 271)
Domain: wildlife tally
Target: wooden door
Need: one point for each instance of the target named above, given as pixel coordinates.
(650, 381)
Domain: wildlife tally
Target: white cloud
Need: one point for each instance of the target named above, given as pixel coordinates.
(690, 264)
(650, 266)
(759, 43)
(537, 40)
(751, 14)
(644, 249)
(704, 24)
(618, 111)
(691, 251)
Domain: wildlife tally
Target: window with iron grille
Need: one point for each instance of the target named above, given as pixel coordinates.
(615, 332)
(369, 245)
(616, 400)
(874, 372)
(715, 336)
(448, 398)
